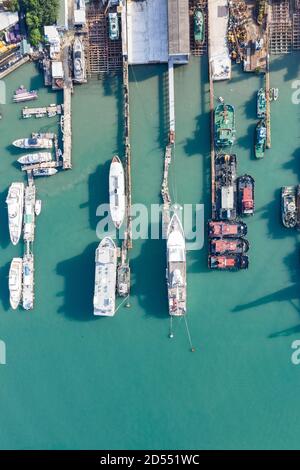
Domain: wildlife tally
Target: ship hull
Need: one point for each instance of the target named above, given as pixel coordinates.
(15, 282)
(289, 206)
(105, 278)
(32, 158)
(117, 192)
(176, 268)
(15, 205)
(33, 143)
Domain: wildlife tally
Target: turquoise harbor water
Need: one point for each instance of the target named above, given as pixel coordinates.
(72, 381)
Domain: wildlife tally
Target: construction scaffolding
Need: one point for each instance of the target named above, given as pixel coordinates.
(296, 31)
(281, 31)
(103, 54)
(197, 49)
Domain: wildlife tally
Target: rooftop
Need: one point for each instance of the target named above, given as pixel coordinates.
(8, 19)
(178, 27)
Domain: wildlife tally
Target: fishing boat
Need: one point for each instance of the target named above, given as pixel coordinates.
(44, 171)
(288, 206)
(232, 262)
(228, 228)
(15, 282)
(223, 246)
(78, 60)
(22, 94)
(199, 26)
(38, 207)
(117, 191)
(29, 213)
(105, 278)
(245, 189)
(33, 143)
(15, 204)
(32, 158)
(225, 178)
(260, 139)
(224, 119)
(28, 281)
(113, 23)
(261, 103)
(176, 267)
(123, 280)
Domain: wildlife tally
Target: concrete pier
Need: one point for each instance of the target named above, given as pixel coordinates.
(67, 150)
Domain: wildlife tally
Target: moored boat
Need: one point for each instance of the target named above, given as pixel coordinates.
(261, 103)
(28, 281)
(199, 26)
(123, 279)
(113, 23)
(224, 119)
(44, 171)
(15, 204)
(29, 213)
(32, 158)
(117, 191)
(245, 187)
(105, 278)
(260, 139)
(228, 228)
(15, 282)
(176, 267)
(225, 178)
(33, 143)
(228, 262)
(78, 60)
(22, 94)
(288, 206)
(38, 207)
(221, 246)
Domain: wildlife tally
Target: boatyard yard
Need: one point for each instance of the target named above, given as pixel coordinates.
(182, 121)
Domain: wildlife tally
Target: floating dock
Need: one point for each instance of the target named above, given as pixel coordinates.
(51, 110)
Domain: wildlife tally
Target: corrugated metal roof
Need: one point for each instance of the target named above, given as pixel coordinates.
(178, 27)
(7, 19)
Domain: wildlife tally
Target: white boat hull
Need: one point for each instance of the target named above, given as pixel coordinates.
(117, 201)
(15, 205)
(105, 278)
(15, 282)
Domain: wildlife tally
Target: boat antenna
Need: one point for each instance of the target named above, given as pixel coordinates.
(193, 349)
(171, 334)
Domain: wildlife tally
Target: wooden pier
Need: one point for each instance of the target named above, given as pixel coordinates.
(128, 235)
(165, 191)
(41, 112)
(212, 139)
(68, 88)
(198, 49)
(37, 166)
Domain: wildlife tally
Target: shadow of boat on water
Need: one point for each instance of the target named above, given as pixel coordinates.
(149, 273)
(290, 294)
(4, 271)
(98, 192)
(4, 232)
(79, 277)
